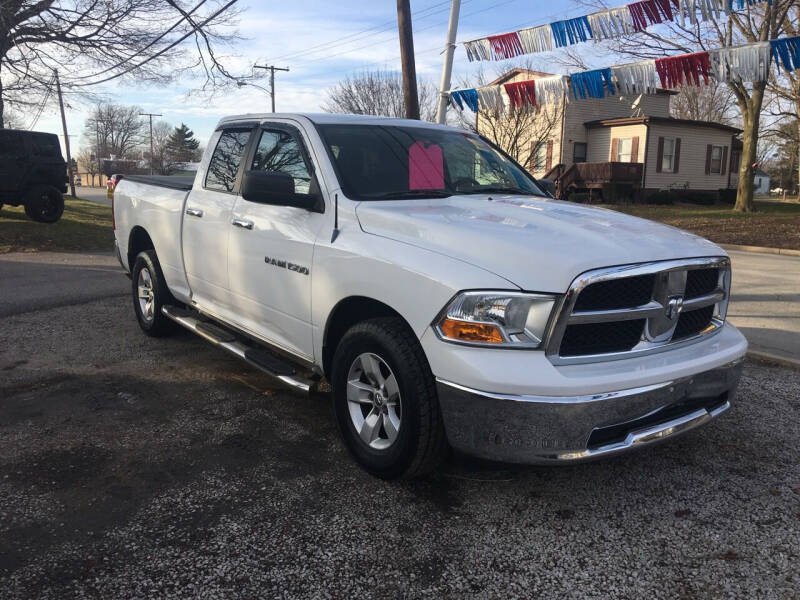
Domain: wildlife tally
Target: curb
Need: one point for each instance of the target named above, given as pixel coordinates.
(773, 359)
(761, 249)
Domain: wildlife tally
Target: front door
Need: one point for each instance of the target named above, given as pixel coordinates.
(207, 222)
(271, 248)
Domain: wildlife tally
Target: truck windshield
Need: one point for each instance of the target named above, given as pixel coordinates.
(388, 162)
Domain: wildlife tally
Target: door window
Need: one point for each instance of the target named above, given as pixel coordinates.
(46, 146)
(10, 144)
(224, 165)
(579, 152)
(280, 151)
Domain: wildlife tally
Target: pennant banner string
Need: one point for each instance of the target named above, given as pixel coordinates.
(602, 25)
(748, 62)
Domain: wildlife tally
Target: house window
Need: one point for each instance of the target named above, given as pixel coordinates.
(716, 159)
(539, 156)
(624, 148)
(668, 158)
(579, 152)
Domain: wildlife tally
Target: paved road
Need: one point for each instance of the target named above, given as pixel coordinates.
(38, 280)
(765, 302)
(98, 195)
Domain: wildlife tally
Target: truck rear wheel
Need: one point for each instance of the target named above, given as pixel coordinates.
(150, 293)
(44, 203)
(385, 400)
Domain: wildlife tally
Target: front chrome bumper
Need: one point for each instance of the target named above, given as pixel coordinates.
(541, 430)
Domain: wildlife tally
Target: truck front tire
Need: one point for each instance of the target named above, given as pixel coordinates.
(44, 203)
(150, 294)
(385, 400)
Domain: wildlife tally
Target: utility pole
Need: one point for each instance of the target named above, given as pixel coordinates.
(271, 69)
(150, 115)
(410, 97)
(447, 68)
(66, 136)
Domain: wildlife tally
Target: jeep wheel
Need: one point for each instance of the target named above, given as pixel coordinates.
(385, 400)
(150, 293)
(44, 203)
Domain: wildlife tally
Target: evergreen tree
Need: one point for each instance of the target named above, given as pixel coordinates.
(181, 145)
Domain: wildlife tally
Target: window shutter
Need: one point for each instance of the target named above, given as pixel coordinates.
(549, 161)
(635, 149)
(708, 159)
(660, 155)
(724, 159)
(532, 157)
(614, 149)
(676, 160)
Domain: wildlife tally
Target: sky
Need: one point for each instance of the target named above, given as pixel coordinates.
(350, 36)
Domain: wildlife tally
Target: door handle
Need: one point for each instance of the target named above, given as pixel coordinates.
(243, 223)
(194, 212)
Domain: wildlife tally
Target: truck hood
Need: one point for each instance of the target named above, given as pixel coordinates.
(537, 244)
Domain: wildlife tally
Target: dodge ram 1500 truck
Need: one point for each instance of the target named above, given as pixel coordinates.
(447, 299)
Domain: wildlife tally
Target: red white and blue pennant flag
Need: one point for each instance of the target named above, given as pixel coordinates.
(749, 63)
(602, 25)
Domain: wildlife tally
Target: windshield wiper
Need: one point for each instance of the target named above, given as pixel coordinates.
(498, 190)
(411, 194)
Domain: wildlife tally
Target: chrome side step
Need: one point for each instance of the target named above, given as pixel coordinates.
(255, 357)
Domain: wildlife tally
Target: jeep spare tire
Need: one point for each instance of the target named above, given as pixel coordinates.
(44, 203)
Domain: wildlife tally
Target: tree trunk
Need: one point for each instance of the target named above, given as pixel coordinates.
(751, 114)
(2, 106)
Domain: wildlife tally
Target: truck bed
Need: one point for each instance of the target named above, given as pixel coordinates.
(174, 182)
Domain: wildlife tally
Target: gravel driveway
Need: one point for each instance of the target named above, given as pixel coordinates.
(139, 468)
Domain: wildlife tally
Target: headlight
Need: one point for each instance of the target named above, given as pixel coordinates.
(510, 319)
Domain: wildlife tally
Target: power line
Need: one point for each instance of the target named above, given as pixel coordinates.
(394, 38)
(164, 50)
(375, 29)
(43, 102)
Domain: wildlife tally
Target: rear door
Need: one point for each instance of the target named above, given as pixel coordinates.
(207, 221)
(13, 162)
(271, 248)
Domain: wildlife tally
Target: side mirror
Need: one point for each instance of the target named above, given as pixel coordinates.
(548, 185)
(273, 187)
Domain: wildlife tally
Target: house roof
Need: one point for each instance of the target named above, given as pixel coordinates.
(660, 120)
(518, 71)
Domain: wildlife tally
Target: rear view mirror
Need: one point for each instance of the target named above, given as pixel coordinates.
(276, 188)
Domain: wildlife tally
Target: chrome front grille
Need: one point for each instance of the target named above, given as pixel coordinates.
(630, 310)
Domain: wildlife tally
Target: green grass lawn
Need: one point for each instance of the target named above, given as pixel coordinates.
(774, 225)
(84, 227)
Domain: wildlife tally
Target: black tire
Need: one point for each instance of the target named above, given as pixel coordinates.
(153, 322)
(44, 203)
(420, 444)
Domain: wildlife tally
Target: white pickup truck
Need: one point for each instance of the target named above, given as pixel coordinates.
(448, 300)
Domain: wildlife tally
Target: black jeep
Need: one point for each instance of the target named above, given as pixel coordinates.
(33, 173)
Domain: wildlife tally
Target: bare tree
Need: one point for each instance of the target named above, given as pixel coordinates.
(161, 156)
(754, 23)
(92, 42)
(114, 130)
(785, 109)
(714, 102)
(379, 93)
(519, 132)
